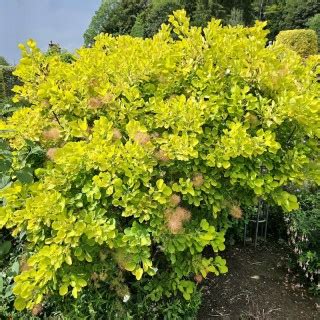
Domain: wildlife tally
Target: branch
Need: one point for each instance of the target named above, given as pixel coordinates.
(56, 117)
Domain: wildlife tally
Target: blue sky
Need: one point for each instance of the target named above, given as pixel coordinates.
(62, 21)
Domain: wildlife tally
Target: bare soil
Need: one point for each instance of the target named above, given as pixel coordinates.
(257, 287)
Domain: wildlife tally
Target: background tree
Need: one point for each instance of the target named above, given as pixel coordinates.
(272, 12)
(114, 17)
(144, 17)
(3, 61)
(154, 15)
(205, 9)
(298, 12)
(286, 14)
(236, 17)
(314, 24)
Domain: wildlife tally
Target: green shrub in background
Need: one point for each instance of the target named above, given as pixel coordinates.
(304, 236)
(302, 41)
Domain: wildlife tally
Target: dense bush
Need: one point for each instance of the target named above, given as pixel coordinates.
(149, 149)
(304, 42)
(304, 235)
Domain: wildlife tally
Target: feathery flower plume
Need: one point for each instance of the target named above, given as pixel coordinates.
(198, 180)
(175, 199)
(141, 138)
(176, 218)
(51, 153)
(236, 212)
(184, 214)
(95, 103)
(109, 97)
(198, 278)
(52, 134)
(116, 134)
(37, 309)
(161, 156)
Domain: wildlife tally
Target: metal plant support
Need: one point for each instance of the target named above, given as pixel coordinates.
(259, 222)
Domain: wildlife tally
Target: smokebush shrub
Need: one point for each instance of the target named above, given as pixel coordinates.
(303, 41)
(150, 144)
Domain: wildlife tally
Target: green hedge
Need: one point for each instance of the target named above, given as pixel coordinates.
(303, 41)
(7, 82)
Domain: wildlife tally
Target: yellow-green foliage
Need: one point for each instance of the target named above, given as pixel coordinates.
(302, 41)
(150, 144)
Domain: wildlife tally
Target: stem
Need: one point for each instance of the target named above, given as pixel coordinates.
(56, 117)
(291, 135)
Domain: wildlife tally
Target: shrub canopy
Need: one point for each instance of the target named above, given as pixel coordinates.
(150, 145)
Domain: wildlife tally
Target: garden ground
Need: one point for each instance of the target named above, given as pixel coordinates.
(257, 287)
